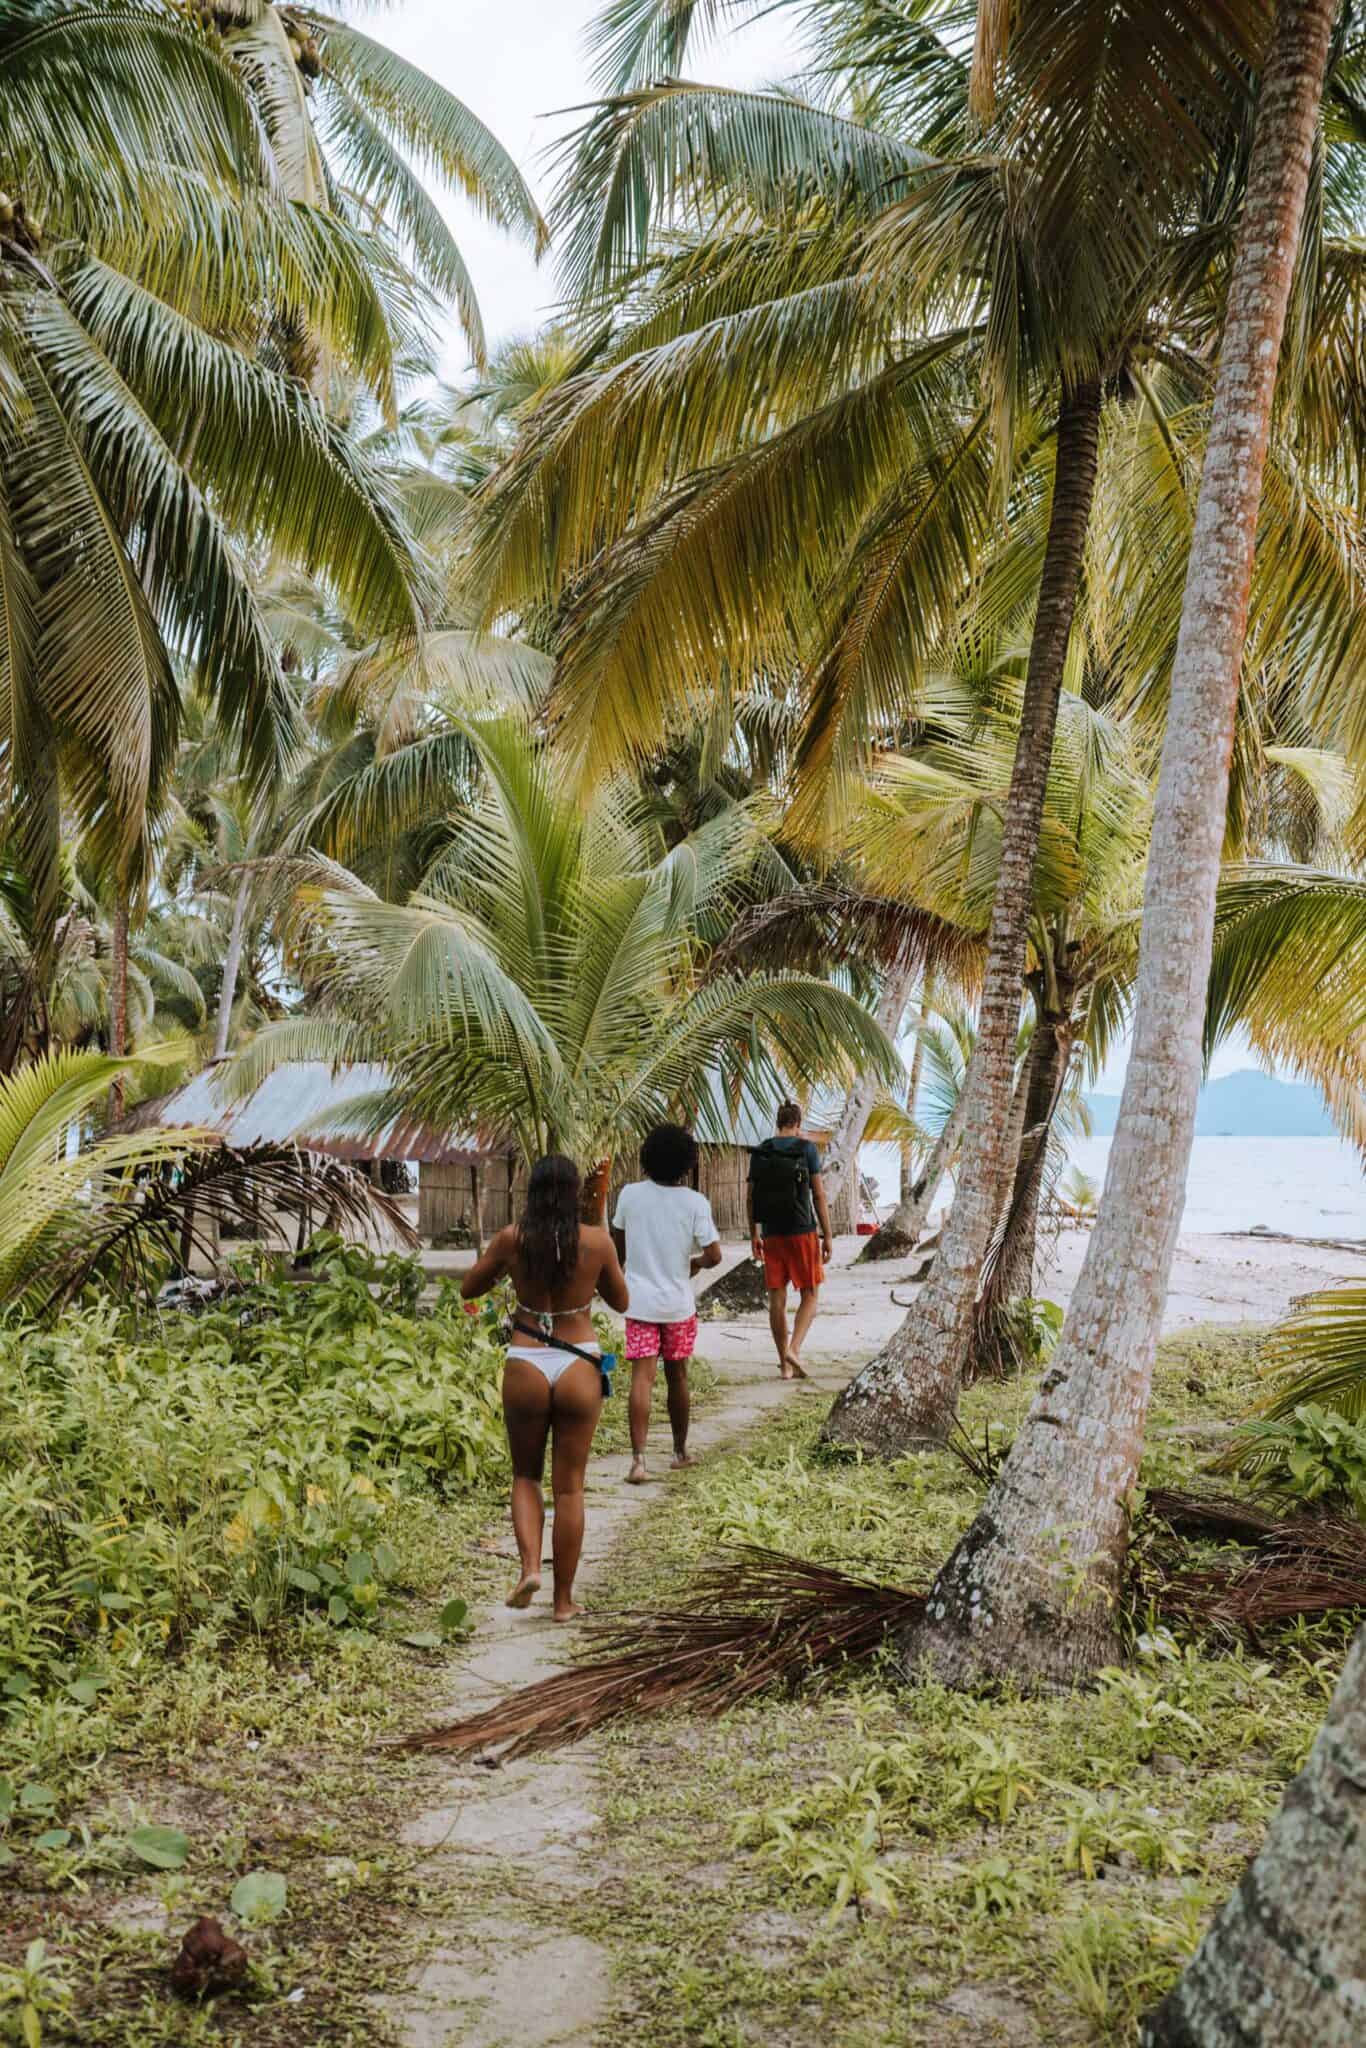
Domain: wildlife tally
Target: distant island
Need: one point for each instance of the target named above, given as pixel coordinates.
(1248, 1104)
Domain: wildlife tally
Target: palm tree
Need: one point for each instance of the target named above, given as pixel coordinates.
(1282, 1962)
(542, 986)
(146, 432)
(788, 454)
(1031, 1587)
(352, 125)
(126, 1205)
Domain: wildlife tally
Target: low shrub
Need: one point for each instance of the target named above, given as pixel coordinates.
(219, 1469)
(1311, 1456)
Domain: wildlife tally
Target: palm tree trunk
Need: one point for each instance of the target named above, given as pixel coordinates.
(118, 995)
(909, 1393)
(227, 994)
(901, 1232)
(1031, 1589)
(1284, 1965)
(1010, 1273)
(596, 1182)
(907, 1188)
(839, 1167)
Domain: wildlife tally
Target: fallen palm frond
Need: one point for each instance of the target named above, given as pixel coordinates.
(1302, 1565)
(761, 1619)
(758, 1620)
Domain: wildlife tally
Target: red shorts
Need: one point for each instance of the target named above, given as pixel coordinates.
(793, 1262)
(671, 1341)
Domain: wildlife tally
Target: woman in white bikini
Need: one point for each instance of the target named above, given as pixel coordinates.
(557, 1264)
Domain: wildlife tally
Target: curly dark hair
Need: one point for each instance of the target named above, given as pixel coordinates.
(669, 1154)
(548, 1232)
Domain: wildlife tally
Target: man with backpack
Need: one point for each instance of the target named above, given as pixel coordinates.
(786, 1209)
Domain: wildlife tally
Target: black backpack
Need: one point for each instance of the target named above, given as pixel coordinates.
(782, 1191)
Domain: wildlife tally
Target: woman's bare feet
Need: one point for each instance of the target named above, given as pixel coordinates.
(680, 1460)
(525, 1590)
(637, 1475)
(570, 1612)
(795, 1369)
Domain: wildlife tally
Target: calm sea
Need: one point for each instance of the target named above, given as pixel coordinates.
(1308, 1187)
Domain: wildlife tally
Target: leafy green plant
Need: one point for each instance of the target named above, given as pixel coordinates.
(991, 1777)
(232, 1467)
(260, 1897)
(998, 1885)
(1311, 1456)
(1032, 1327)
(31, 1994)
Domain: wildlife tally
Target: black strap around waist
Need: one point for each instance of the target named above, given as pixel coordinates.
(562, 1344)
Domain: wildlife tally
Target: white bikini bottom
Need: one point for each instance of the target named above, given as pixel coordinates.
(548, 1358)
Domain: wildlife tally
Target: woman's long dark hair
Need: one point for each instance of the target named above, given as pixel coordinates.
(548, 1233)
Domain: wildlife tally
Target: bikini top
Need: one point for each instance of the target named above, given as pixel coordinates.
(546, 1318)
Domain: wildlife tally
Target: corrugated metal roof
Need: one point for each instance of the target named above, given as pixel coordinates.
(301, 1104)
(310, 1103)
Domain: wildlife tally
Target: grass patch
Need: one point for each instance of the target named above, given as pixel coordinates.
(872, 1864)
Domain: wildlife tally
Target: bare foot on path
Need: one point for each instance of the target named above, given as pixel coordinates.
(525, 1590)
(681, 1459)
(569, 1613)
(637, 1475)
(798, 1370)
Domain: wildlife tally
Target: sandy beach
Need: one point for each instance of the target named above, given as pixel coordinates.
(1215, 1279)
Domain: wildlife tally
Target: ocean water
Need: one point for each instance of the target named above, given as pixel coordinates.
(1307, 1187)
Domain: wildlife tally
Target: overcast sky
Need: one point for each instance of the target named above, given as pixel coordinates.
(519, 64)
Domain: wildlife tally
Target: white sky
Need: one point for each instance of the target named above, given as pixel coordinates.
(518, 64)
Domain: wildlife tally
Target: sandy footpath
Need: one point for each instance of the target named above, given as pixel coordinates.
(521, 1839)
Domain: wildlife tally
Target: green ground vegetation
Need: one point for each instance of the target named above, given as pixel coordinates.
(868, 1864)
(240, 1547)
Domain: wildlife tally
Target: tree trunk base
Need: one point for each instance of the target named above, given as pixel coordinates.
(886, 1243)
(996, 1618)
(883, 1415)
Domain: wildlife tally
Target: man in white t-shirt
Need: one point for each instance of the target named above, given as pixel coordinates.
(664, 1234)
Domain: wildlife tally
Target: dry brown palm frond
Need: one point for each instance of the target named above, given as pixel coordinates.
(1301, 1564)
(756, 1620)
(760, 1619)
(820, 927)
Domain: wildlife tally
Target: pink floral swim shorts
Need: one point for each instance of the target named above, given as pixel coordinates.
(671, 1341)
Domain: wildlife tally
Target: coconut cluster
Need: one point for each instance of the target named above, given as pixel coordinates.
(303, 46)
(18, 225)
(226, 15)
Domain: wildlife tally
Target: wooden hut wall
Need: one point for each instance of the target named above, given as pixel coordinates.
(446, 1203)
(446, 1195)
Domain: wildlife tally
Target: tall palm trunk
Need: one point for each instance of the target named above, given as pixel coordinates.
(1031, 1588)
(907, 1186)
(1010, 1271)
(839, 1167)
(909, 1393)
(118, 994)
(232, 964)
(1284, 1965)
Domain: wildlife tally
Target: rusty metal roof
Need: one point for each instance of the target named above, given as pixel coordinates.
(306, 1103)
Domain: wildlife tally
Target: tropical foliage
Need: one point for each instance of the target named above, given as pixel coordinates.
(221, 1469)
(542, 983)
